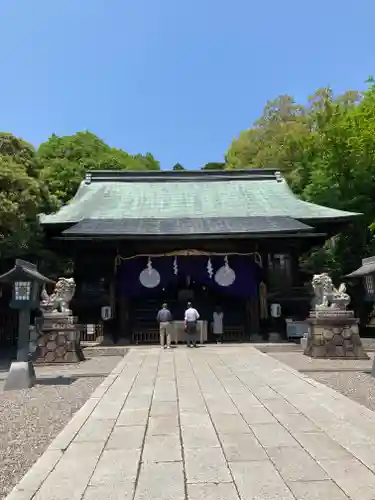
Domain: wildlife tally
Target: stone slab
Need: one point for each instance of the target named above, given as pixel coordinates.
(230, 424)
(59, 485)
(259, 480)
(297, 423)
(199, 437)
(95, 430)
(162, 448)
(163, 425)
(126, 438)
(162, 408)
(161, 481)
(280, 455)
(295, 464)
(111, 491)
(258, 415)
(131, 417)
(317, 490)
(190, 418)
(242, 448)
(116, 466)
(320, 446)
(356, 480)
(206, 465)
(212, 491)
(273, 435)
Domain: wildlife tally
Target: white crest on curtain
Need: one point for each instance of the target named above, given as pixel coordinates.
(225, 276)
(149, 277)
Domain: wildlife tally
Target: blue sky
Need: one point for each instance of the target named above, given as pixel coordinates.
(180, 79)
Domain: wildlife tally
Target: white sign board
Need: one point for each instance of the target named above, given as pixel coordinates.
(106, 313)
(90, 329)
(275, 310)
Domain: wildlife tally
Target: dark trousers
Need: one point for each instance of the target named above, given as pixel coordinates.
(191, 330)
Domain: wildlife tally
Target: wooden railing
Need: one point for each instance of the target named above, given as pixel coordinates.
(145, 336)
(92, 333)
(150, 335)
(234, 334)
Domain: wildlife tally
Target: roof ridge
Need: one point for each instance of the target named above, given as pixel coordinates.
(181, 175)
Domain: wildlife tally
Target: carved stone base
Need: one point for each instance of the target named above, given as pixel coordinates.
(59, 340)
(331, 337)
(59, 347)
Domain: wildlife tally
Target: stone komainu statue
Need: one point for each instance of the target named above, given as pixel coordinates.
(59, 300)
(326, 295)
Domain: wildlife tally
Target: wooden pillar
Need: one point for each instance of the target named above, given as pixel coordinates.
(123, 318)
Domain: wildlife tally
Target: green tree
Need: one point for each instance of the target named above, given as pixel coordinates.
(64, 161)
(178, 166)
(214, 166)
(325, 148)
(19, 151)
(22, 197)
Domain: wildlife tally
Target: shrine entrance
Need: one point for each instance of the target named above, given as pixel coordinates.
(206, 280)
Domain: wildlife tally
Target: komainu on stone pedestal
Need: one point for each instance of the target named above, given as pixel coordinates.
(59, 337)
(333, 330)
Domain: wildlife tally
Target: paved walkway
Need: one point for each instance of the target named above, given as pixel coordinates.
(215, 423)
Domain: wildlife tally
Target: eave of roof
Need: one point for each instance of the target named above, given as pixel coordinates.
(186, 226)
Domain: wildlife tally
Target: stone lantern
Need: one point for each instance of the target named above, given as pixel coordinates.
(367, 274)
(26, 284)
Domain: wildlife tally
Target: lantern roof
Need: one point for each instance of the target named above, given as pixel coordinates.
(24, 270)
(368, 267)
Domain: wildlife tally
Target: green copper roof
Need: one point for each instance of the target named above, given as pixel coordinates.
(187, 194)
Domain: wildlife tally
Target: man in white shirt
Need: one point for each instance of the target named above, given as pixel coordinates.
(191, 320)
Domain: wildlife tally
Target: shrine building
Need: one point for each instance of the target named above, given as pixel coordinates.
(229, 238)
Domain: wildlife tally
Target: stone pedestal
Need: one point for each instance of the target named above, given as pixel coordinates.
(334, 336)
(21, 376)
(59, 340)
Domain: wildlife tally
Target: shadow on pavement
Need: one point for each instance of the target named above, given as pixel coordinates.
(56, 380)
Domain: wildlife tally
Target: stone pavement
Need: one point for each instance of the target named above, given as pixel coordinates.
(214, 423)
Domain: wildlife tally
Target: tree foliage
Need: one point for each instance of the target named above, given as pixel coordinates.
(64, 161)
(326, 150)
(34, 181)
(178, 166)
(214, 166)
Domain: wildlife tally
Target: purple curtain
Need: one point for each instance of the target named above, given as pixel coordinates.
(245, 284)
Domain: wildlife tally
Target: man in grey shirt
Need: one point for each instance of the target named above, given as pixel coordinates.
(164, 318)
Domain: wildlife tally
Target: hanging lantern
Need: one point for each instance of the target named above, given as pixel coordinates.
(225, 276)
(175, 266)
(210, 269)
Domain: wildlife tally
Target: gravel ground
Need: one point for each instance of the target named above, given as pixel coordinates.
(345, 376)
(358, 386)
(30, 420)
